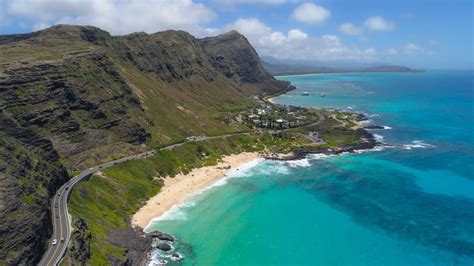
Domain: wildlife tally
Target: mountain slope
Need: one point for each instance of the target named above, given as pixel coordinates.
(86, 96)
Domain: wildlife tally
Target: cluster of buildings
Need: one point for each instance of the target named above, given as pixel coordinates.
(275, 118)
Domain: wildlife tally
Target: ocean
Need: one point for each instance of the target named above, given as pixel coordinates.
(408, 203)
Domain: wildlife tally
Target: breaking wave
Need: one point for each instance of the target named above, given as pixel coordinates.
(417, 144)
(378, 138)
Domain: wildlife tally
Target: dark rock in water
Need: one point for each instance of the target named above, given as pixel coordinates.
(360, 117)
(374, 127)
(162, 236)
(164, 246)
(176, 256)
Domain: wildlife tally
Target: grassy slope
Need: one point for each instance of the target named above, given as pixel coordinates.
(184, 108)
(106, 202)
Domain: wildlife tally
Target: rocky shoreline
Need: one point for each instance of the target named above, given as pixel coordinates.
(368, 142)
(163, 243)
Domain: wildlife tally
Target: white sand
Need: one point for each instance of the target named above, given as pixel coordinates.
(177, 189)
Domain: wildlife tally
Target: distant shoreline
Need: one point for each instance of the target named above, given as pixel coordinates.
(340, 72)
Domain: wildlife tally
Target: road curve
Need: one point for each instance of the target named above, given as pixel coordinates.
(62, 225)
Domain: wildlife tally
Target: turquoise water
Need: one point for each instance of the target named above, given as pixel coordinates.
(412, 204)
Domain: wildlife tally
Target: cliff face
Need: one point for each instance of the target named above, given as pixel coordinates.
(233, 55)
(72, 96)
(30, 173)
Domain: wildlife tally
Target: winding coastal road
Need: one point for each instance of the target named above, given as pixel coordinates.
(61, 221)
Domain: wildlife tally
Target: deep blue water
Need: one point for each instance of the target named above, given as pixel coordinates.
(412, 204)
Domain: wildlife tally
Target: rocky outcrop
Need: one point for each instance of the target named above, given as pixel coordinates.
(374, 127)
(80, 249)
(233, 55)
(137, 244)
(161, 236)
(163, 246)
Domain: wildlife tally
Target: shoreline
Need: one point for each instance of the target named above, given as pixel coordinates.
(177, 189)
(278, 75)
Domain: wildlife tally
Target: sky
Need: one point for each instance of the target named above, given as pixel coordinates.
(431, 34)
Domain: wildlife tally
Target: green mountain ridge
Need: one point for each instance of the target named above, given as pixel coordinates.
(73, 96)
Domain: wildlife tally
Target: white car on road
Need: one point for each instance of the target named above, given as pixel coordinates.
(55, 241)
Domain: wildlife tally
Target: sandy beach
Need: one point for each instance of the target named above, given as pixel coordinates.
(177, 189)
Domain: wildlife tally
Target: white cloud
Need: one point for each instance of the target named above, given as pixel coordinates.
(296, 44)
(370, 51)
(265, 2)
(297, 34)
(412, 48)
(41, 26)
(378, 23)
(48, 10)
(311, 14)
(118, 17)
(250, 27)
(350, 29)
(392, 51)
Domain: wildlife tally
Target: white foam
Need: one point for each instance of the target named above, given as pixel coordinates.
(387, 127)
(364, 122)
(161, 258)
(277, 167)
(243, 169)
(157, 262)
(417, 144)
(318, 156)
(298, 163)
(372, 115)
(376, 148)
(378, 138)
(176, 213)
(240, 171)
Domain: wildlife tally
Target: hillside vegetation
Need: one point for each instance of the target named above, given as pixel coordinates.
(73, 96)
